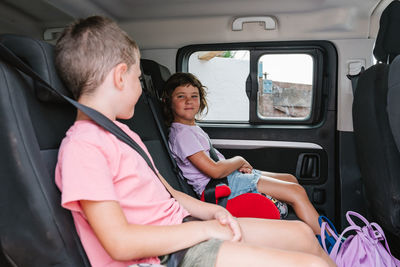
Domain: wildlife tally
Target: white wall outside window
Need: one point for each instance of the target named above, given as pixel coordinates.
(225, 79)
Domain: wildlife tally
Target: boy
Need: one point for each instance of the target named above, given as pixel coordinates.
(122, 211)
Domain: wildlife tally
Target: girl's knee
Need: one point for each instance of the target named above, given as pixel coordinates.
(291, 178)
(298, 192)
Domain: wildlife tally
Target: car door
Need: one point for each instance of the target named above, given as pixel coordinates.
(274, 104)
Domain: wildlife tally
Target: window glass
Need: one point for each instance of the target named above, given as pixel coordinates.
(285, 86)
(224, 73)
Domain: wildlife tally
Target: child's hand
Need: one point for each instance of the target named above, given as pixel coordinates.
(215, 229)
(226, 219)
(246, 167)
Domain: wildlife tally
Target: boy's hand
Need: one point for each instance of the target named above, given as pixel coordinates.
(226, 219)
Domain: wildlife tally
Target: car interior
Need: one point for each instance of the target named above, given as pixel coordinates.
(344, 151)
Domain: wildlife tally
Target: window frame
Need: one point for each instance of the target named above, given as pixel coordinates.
(318, 50)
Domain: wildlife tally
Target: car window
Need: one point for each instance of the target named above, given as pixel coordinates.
(284, 86)
(260, 83)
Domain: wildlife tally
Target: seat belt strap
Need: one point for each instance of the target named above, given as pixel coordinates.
(354, 79)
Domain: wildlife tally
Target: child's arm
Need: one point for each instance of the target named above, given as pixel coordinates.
(205, 211)
(124, 241)
(220, 168)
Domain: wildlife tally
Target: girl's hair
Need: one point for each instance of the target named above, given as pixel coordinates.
(182, 79)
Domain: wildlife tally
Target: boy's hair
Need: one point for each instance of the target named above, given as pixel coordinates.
(88, 49)
(181, 79)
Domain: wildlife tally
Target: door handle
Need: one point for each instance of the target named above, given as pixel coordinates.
(308, 166)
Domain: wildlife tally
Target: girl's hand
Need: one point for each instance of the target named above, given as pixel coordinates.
(226, 219)
(246, 167)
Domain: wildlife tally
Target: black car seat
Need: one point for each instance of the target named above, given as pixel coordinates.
(159, 75)
(34, 229)
(148, 124)
(376, 127)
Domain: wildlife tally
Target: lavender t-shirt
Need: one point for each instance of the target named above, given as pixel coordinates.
(184, 141)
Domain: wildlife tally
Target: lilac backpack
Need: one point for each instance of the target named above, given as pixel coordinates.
(366, 247)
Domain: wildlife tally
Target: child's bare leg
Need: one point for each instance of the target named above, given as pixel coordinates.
(293, 236)
(281, 176)
(241, 254)
(293, 194)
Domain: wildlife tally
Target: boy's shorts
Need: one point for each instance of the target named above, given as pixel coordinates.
(203, 254)
(241, 183)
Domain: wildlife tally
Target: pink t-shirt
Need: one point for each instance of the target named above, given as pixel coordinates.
(94, 165)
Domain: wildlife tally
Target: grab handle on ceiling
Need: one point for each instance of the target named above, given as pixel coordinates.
(269, 22)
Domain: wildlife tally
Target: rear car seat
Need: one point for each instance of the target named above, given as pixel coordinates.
(376, 117)
(148, 124)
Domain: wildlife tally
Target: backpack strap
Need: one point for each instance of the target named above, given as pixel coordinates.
(372, 231)
(339, 241)
(355, 214)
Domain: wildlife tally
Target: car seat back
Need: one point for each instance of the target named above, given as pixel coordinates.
(148, 123)
(375, 136)
(34, 229)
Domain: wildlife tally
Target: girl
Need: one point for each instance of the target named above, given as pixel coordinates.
(184, 98)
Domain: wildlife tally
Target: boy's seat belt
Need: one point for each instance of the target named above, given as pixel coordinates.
(100, 119)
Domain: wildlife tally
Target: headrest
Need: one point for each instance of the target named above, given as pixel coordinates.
(159, 74)
(39, 56)
(387, 45)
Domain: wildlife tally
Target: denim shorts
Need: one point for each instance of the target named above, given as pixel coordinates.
(241, 183)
